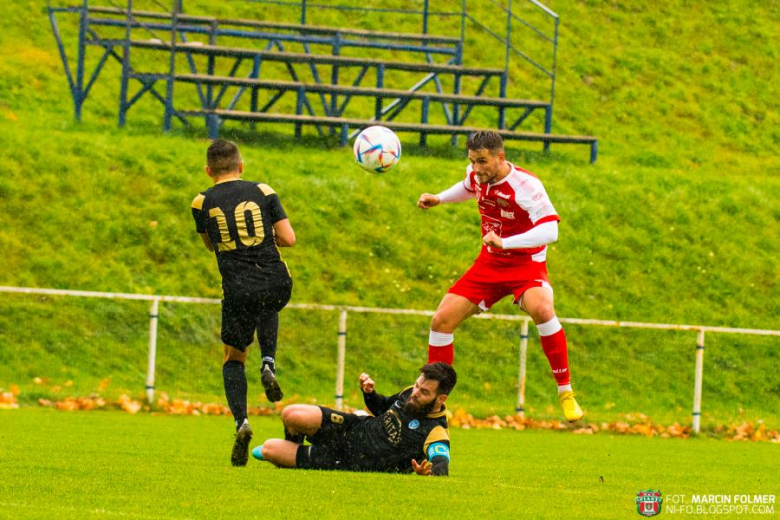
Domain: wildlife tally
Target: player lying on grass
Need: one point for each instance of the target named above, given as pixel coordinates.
(405, 428)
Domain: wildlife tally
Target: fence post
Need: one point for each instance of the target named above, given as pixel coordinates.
(698, 382)
(154, 313)
(125, 78)
(520, 409)
(340, 362)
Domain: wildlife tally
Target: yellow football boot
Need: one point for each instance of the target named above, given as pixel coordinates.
(571, 410)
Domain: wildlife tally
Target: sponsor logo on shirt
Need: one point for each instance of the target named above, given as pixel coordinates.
(392, 426)
(414, 424)
(503, 196)
(537, 196)
(508, 214)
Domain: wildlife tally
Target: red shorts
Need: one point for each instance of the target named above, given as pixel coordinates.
(489, 280)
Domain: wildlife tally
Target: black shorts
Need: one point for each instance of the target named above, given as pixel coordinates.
(332, 447)
(244, 305)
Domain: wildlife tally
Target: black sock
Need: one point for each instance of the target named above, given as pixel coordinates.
(267, 333)
(235, 389)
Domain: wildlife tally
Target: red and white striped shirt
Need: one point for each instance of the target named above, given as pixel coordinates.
(511, 206)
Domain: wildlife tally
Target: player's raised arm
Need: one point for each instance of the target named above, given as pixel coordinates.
(366, 383)
(376, 403)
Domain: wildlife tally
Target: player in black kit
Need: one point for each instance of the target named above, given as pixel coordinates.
(407, 432)
(244, 224)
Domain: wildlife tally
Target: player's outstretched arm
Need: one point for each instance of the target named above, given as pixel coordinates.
(455, 193)
(428, 201)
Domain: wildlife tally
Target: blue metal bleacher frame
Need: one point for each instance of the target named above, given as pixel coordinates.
(178, 30)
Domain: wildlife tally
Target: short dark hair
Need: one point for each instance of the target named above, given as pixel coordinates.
(223, 156)
(486, 139)
(443, 373)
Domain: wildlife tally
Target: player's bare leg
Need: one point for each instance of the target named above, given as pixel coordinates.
(538, 303)
(452, 311)
(235, 391)
(278, 452)
(302, 419)
(299, 420)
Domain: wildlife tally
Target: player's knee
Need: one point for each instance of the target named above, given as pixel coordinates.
(270, 449)
(543, 312)
(292, 414)
(441, 322)
(233, 354)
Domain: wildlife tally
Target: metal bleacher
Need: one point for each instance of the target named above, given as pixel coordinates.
(337, 80)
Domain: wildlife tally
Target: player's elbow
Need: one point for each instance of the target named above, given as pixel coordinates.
(287, 241)
(552, 232)
(283, 231)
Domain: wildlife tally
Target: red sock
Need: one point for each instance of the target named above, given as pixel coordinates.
(440, 347)
(554, 346)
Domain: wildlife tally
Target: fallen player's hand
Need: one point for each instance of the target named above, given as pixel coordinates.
(366, 383)
(423, 469)
(493, 240)
(428, 201)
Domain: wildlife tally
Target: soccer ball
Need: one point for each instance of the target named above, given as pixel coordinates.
(377, 149)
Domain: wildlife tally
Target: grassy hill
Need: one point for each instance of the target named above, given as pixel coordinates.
(676, 223)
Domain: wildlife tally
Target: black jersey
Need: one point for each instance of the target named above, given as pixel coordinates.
(389, 441)
(238, 217)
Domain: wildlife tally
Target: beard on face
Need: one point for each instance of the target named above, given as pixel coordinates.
(419, 410)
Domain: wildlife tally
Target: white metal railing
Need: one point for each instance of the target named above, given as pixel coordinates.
(342, 334)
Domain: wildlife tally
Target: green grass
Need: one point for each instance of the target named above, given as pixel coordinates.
(676, 223)
(83, 465)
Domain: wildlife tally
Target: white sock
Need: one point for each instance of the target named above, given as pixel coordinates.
(440, 339)
(564, 388)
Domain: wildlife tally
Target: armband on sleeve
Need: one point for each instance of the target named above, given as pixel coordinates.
(457, 193)
(439, 455)
(438, 449)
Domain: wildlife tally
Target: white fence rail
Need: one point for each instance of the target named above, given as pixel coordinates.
(342, 334)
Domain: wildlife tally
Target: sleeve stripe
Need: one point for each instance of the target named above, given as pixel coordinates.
(548, 218)
(197, 202)
(438, 434)
(266, 189)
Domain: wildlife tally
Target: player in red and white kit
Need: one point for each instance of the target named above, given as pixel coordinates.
(518, 221)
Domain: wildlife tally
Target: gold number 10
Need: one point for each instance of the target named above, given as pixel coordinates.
(225, 243)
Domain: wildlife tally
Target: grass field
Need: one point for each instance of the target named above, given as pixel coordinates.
(108, 464)
(673, 224)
